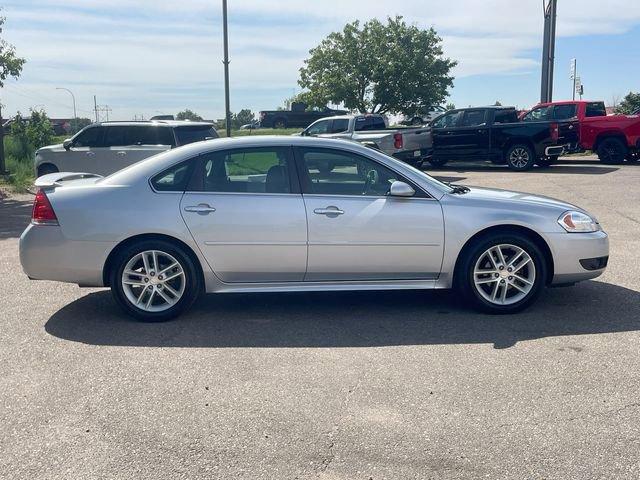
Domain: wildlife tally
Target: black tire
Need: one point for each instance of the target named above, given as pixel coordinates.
(520, 157)
(465, 273)
(546, 162)
(46, 169)
(192, 287)
(437, 162)
(280, 123)
(633, 157)
(612, 151)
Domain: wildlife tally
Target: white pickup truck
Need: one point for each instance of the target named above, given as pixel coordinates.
(410, 145)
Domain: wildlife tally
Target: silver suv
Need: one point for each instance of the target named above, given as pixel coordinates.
(107, 147)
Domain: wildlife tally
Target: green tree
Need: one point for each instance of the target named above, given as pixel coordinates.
(243, 117)
(450, 106)
(379, 68)
(39, 129)
(188, 115)
(10, 66)
(629, 104)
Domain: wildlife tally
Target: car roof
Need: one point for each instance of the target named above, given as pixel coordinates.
(170, 123)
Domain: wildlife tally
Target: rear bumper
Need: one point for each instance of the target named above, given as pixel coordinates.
(578, 256)
(45, 254)
(412, 157)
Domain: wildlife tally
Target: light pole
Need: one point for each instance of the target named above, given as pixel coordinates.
(75, 115)
(548, 49)
(225, 33)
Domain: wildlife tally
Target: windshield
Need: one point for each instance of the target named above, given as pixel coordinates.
(195, 133)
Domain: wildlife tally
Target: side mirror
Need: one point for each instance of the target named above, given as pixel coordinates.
(67, 144)
(401, 189)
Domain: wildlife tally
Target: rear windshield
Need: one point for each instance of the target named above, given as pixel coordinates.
(596, 109)
(195, 133)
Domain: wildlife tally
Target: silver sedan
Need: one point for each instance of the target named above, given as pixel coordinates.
(280, 214)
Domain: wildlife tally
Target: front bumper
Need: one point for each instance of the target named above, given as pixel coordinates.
(572, 252)
(46, 254)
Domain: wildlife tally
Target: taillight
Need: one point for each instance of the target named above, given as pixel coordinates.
(555, 132)
(397, 141)
(43, 213)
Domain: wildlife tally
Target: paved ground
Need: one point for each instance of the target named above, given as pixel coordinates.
(336, 386)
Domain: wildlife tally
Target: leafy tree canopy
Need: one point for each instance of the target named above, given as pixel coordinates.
(188, 115)
(629, 104)
(10, 63)
(379, 68)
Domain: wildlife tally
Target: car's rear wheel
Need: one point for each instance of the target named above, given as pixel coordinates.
(520, 157)
(502, 273)
(612, 151)
(154, 280)
(46, 169)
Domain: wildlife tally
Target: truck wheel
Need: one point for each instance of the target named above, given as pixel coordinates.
(437, 162)
(612, 151)
(633, 156)
(520, 157)
(279, 123)
(546, 162)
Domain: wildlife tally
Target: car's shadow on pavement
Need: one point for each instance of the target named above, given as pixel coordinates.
(351, 319)
(14, 216)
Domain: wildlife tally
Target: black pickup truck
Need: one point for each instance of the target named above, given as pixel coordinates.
(297, 117)
(496, 134)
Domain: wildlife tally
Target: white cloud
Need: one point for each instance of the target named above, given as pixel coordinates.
(156, 55)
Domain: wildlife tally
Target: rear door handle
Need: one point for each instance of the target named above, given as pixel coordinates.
(91, 154)
(329, 211)
(202, 209)
(121, 154)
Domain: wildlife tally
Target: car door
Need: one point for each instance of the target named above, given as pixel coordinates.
(472, 135)
(83, 151)
(443, 133)
(356, 230)
(245, 212)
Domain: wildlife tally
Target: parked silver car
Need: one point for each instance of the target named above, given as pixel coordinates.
(257, 215)
(107, 147)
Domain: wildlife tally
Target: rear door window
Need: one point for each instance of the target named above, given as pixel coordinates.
(175, 178)
(340, 125)
(596, 109)
(505, 116)
(117, 136)
(367, 123)
(194, 133)
(474, 118)
(564, 112)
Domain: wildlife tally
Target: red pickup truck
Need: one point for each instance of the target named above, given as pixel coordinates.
(612, 137)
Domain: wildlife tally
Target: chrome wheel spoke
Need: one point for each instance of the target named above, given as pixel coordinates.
(145, 280)
(495, 278)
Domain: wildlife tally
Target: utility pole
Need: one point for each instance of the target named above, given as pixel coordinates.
(225, 33)
(95, 107)
(548, 49)
(75, 115)
(3, 170)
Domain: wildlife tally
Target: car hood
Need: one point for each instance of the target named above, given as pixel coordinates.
(507, 196)
(51, 148)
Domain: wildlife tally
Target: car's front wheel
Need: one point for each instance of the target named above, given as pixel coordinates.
(154, 280)
(502, 273)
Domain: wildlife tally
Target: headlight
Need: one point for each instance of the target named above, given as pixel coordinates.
(578, 222)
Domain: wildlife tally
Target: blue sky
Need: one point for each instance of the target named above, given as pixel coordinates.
(144, 57)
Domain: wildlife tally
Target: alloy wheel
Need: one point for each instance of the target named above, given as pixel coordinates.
(519, 157)
(504, 274)
(153, 281)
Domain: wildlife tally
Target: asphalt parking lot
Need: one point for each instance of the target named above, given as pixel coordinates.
(333, 385)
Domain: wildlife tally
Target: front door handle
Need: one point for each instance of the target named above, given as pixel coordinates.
(330, 211)
(91, 154)
(202, 209)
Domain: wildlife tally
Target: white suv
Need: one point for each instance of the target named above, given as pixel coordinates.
(107, 147)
